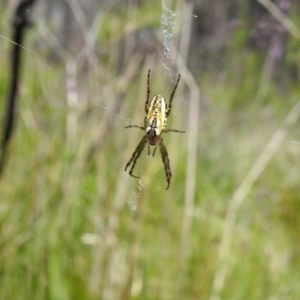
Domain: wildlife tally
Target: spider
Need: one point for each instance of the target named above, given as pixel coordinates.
(155, 122)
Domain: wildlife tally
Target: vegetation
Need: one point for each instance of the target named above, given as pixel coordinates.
(74, 225)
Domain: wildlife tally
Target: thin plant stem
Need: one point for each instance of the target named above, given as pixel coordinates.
(281, 17)
(240, 195)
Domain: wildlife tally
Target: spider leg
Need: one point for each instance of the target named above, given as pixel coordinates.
(154, 151)
(148, 149)
(173, 130)
(136, 126)
(165, 160)
(172, 96)
(148, 92)
(136, 154)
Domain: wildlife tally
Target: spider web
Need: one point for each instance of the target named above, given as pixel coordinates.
(168, 23)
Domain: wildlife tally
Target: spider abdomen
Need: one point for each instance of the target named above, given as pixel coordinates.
(156, 117)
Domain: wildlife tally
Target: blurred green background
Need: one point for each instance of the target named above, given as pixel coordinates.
(74, 225)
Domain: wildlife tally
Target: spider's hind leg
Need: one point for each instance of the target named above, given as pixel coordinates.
(165, 160)
(130, 173)
(136, 154)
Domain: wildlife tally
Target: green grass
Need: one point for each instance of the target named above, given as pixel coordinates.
(68, 230)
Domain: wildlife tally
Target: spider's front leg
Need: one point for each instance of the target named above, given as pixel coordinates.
(135, 126)
(173, 130)
(168, 111)
(165, 160)
(148, 92)
(136, 154)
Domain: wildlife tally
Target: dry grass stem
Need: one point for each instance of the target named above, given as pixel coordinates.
(267, 71)
(281, 17)
(240, 195)
(52, 41)
(90, 40)
(79, 16)
(192, 145)
(121, 88)
(72, 102)
(103, 251)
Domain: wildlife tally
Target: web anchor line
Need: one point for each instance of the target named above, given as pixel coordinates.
(168, 24)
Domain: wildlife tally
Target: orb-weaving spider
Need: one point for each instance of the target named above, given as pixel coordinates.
(155, 122)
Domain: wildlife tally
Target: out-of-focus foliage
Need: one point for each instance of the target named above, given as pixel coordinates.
(74, 225)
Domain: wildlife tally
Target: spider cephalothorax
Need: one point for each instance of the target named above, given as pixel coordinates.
(155, 123)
